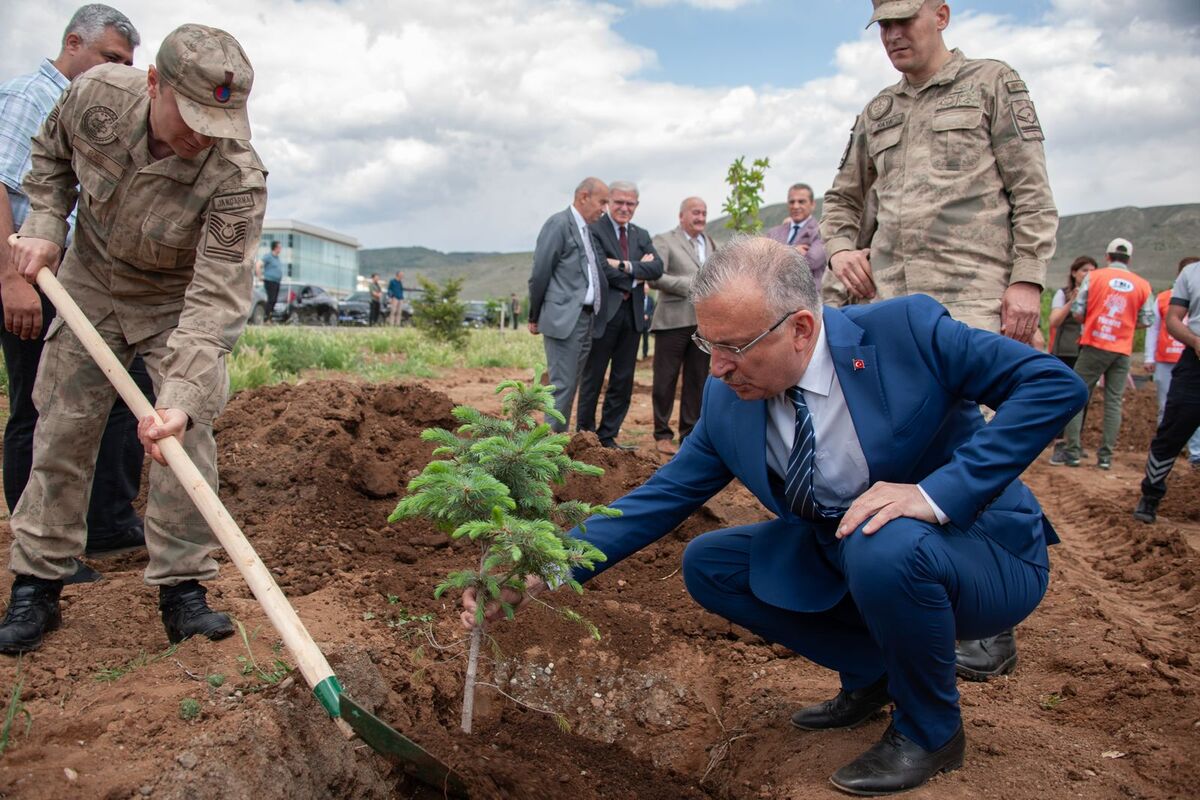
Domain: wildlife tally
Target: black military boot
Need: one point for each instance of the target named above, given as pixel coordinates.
(185, 613)
(32, 613)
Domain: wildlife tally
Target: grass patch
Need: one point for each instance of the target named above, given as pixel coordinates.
(278, 670)
(16, 709)
(109, 674)
(274, 354)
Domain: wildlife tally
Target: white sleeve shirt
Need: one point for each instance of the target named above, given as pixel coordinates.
(589, 299)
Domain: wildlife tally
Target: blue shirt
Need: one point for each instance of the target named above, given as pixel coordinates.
(396, 289)
(25, 103)
(272, 268)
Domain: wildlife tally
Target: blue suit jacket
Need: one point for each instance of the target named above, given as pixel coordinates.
(913, 379)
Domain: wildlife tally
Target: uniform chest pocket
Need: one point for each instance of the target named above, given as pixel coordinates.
(881, 146)
(167, 243)
(959, 138)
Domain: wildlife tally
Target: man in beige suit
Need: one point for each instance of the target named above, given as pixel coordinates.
(683, 252)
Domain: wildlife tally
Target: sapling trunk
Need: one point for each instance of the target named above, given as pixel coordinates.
(468, 707)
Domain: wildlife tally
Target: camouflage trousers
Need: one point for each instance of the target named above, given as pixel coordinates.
(73, 397)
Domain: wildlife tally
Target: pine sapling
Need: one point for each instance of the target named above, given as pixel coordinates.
(491, 483)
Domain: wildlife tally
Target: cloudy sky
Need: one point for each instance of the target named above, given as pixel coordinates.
(463, 125)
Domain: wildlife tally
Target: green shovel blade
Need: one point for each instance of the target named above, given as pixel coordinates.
(387, 741)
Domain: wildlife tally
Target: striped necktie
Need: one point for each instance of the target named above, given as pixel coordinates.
(798, 482)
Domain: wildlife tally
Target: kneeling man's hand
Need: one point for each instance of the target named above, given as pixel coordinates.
(174, 423)
(883, 503)
(534, 585)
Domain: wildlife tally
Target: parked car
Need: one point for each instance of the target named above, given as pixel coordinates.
(355, 309)
(305, 304)
(258, 306)
(475, 314)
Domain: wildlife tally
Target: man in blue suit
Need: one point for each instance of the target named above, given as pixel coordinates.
(900, 520)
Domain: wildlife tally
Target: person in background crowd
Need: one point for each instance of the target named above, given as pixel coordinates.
(514, 310)
(1111, 304)
(683, 251)
(270, 269)
(375, 289)
(1181, 418)
(96, 34)
(628, 261)
(800, 229)
(568, 291)
(395, 293)
(1162, 354)
(1064, 334)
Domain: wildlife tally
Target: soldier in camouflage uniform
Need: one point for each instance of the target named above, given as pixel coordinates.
(171, 199)
(953, 153)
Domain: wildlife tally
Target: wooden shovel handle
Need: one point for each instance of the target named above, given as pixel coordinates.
(311, 661)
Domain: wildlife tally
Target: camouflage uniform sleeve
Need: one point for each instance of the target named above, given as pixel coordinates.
(217, 301)
(51, 184)
(846, 199)
(1017, 143)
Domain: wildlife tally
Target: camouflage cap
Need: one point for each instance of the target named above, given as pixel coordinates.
(211, 77)
(894, 9)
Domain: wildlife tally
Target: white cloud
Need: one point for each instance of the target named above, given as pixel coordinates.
(464, 125)
(721, 5)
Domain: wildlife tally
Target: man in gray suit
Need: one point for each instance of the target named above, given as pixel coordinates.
(683, 251)
(800, 231)
(567, 290)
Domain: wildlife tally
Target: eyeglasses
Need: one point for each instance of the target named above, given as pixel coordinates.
(732, 352)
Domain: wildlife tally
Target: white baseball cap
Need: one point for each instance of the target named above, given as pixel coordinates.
(1122, 246)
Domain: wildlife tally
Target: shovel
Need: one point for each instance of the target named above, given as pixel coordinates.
(350, 717)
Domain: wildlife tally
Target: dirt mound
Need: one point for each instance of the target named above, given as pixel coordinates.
(671, 702)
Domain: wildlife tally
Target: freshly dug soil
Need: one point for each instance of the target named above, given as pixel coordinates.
(672, 702)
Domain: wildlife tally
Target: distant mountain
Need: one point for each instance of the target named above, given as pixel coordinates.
(1161, 235)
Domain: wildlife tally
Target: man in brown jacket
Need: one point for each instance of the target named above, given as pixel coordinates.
(170, 205)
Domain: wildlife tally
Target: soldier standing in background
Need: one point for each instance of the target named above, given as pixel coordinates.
(954, 154)
(170, 207)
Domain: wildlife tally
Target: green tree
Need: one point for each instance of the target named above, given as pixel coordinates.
(745, 195)
(438, 311)
(492, 485)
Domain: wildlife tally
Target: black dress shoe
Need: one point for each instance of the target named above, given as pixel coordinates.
(185, 613)
(980, 659)
(82, 574)
(896, 763)
(32, 613)
(846, 710)
(111, 543)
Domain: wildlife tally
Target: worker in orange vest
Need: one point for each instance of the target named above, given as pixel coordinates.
(1112, 303)
(1162, 354)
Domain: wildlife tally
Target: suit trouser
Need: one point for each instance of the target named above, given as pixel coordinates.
(1180, 420)
(674, 351)
(619, 346)
(912, 587)
(565, 362)
(1090, 365)
(119, 463)
(1162, 384)
(73, 397)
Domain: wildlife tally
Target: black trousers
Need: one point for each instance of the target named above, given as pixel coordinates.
(272, 290)
(1180, 420)
(1070, 362)
(675, 352)
(373, 318)
(617, 346)
(119, 464)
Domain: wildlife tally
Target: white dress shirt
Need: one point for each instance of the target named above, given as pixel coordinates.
(699, 246)
(841, 471)
(589, 299)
